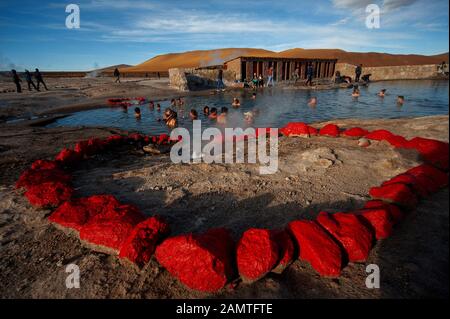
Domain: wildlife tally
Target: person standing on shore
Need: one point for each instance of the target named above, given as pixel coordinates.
(30, 81)
(309, 74)
(39, 79)
(220, 85)
(358, 71)
(270, 77)
(17, 81)
(117, 75)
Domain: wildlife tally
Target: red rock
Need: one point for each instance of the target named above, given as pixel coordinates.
(379, 219)
(411, 181)
(95, 146)
(330, 130)
(313, 131)
(317, 247)
(379, 135)
(439, 178)
(44, 164)
(257, 254)
(163, 139)
(141, 243)
(70, 214)
(395, 213)
(397, 141)
(81, 148)
(395, 193)
(77, 212)
(286, 250)
(350, 232)
(68, 157)
(111, 227)
(432, 151)
(136, 137)
(114, 140)
(355, 132)
(49, 194)
(35, 177)
(296, 129)
(202, 262)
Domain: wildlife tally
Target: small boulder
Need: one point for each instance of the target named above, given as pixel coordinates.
(202, 262)
(350, 232)
(317, 247)
(355, 132)
(257, 254)
(49, 194)
(286, 250)
(398, 193)
(379, 220)
(331, 130)
(141, 243)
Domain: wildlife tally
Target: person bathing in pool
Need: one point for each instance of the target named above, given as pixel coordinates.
(137, 113)
(170, 118)
(312, 101)
(193, 115)
(400, 100)
(206, 110)
(355, 92)
(222, 118)
(213, 115)
(236, 103)
(382, 93)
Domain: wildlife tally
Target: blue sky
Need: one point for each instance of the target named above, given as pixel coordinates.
(33, 33)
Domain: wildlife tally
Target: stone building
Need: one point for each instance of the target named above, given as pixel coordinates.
(245, 66)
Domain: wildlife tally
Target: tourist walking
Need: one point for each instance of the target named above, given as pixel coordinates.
(117, 75)
(220, 85)
(30, 81)
(270, 77)
(309, 74)
(39, 79)
(16, 81)
(358, 71)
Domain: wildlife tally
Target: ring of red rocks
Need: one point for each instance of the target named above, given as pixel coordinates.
(207, 262)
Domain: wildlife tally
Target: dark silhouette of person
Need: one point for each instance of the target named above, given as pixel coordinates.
(159, 76)
(309, 74)
(358, 72)
(17, 81)
(39, 79)
(117, 75)
(30, 81)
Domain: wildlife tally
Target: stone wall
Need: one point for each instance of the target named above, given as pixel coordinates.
(178, 80)
(191, 79)
(402, 72)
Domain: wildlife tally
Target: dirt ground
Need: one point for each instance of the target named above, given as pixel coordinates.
(69, 94)
(314, 174)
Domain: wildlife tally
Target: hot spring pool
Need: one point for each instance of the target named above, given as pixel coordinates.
(278, 106)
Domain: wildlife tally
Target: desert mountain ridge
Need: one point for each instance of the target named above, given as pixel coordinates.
(198, 58)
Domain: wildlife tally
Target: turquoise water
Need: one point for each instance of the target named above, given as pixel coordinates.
(276, 107)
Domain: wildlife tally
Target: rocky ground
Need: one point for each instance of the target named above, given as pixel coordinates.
(314, 174)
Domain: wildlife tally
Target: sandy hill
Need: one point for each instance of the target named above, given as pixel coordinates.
(214, 57)
(193, 59)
